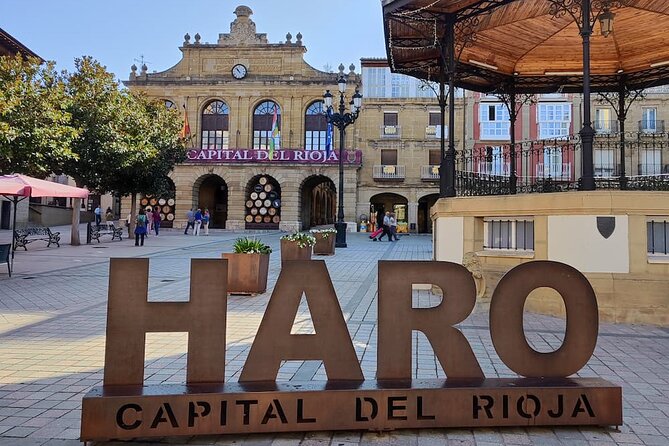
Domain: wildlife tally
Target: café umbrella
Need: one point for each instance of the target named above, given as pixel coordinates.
(17, 187)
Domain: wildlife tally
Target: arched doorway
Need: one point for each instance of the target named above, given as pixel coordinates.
(390, 202)
(318, 202)
(263, 203)
(213, 195)
(424, 205)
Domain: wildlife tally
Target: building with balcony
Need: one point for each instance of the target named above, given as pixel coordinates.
(399, 134)
(257, 156)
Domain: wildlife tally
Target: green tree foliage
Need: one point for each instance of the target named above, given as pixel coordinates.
(35, 128)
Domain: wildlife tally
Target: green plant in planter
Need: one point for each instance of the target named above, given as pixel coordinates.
(302, 239)
(247, 245)
(324, 232)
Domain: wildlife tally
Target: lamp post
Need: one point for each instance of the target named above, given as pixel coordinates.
(341, 120)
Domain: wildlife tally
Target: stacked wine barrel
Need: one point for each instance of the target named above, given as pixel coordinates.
(263, 204)
(166, 208)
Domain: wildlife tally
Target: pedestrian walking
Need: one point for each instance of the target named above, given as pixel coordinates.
(149, 220)
(198, 221)
(98, 215)
(140, 227)
(156, 220)
(386, 227)
(206, 218)
(393, 227)
(190, 220)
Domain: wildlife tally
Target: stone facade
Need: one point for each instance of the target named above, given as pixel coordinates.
(274, 72)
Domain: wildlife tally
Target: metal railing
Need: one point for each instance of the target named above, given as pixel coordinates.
(555, 165)
(605, 127)
(651, 126)
(391, 131)
(389, 172)
(434, 131)
(429, 173)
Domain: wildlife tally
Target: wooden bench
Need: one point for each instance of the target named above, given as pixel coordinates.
(24, 236)
(106, 229)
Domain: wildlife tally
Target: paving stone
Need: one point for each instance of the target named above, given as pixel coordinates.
(52, 346)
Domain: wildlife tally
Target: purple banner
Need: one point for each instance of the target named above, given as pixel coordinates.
(283, 156)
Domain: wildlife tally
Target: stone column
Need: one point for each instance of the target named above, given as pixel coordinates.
(412, 208)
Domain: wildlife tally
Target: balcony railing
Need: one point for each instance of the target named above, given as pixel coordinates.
(557, 171)
(434, 131)
(552, 165)
(389, 172)
(429, 173)
(646, 126)
(604, 127)
(391, 131)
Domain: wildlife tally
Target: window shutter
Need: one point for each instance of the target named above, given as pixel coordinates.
(435, 157)
(388, 157)
(390, 119)
(435, 118)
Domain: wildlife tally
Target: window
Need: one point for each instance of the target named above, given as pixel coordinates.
(170, 105)
(389, 157)
(554, 120)
(494, 121)
(434, 157)
(650, 161)
(399, 85)
(315, 127)
(509, 233)
(494, 162)
(374, 82)
(648, 120)
(263, 121)
(390, 119)
(215, 121)
(603, 121)
(604, 163)
(553, 165)
(658, 235)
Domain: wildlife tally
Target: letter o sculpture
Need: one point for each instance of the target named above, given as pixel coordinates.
(506, 320)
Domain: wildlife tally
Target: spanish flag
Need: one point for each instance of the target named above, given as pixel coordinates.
(275, 137)
(185, 131)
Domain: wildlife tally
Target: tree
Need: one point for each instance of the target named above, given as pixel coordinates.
(35, 126)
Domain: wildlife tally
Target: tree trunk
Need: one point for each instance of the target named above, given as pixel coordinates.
(133, 214)
(76, 212)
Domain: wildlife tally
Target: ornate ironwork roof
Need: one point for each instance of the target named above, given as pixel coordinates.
(534, 45)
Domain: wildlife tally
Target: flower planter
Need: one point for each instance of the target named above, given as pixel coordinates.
(325, 246)
(247, 273)
(290, 251)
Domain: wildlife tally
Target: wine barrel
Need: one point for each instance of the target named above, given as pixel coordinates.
(249, 204)
(267, 219)
(258, 219)
(268, 188)
(263, 180)
(276, 219)
(249, 219)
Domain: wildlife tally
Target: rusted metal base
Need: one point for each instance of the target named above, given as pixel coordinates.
(170, 410)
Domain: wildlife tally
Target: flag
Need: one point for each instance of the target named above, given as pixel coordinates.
(185, 131)
(328, 136)
(274, 139)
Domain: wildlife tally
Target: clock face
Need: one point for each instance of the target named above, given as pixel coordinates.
(239, 71)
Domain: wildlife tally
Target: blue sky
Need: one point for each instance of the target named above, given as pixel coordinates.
(117, 32)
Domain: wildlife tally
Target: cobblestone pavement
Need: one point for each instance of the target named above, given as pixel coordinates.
(52, 324)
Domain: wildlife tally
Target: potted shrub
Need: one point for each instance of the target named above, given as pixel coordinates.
(296, 246)
(248, 266)
(325, 241)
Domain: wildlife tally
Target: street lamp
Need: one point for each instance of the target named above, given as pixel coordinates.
(341, 120)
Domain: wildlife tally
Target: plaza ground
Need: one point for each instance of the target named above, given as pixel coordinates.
(52, 325)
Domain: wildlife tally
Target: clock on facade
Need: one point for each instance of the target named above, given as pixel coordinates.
(239, 71)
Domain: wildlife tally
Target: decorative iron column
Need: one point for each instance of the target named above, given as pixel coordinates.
(622, 116)
(443, 183)
(587, 132)
(450, 154)
(513, 116)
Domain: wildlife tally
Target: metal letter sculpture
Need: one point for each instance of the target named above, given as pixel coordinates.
(123, 408)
